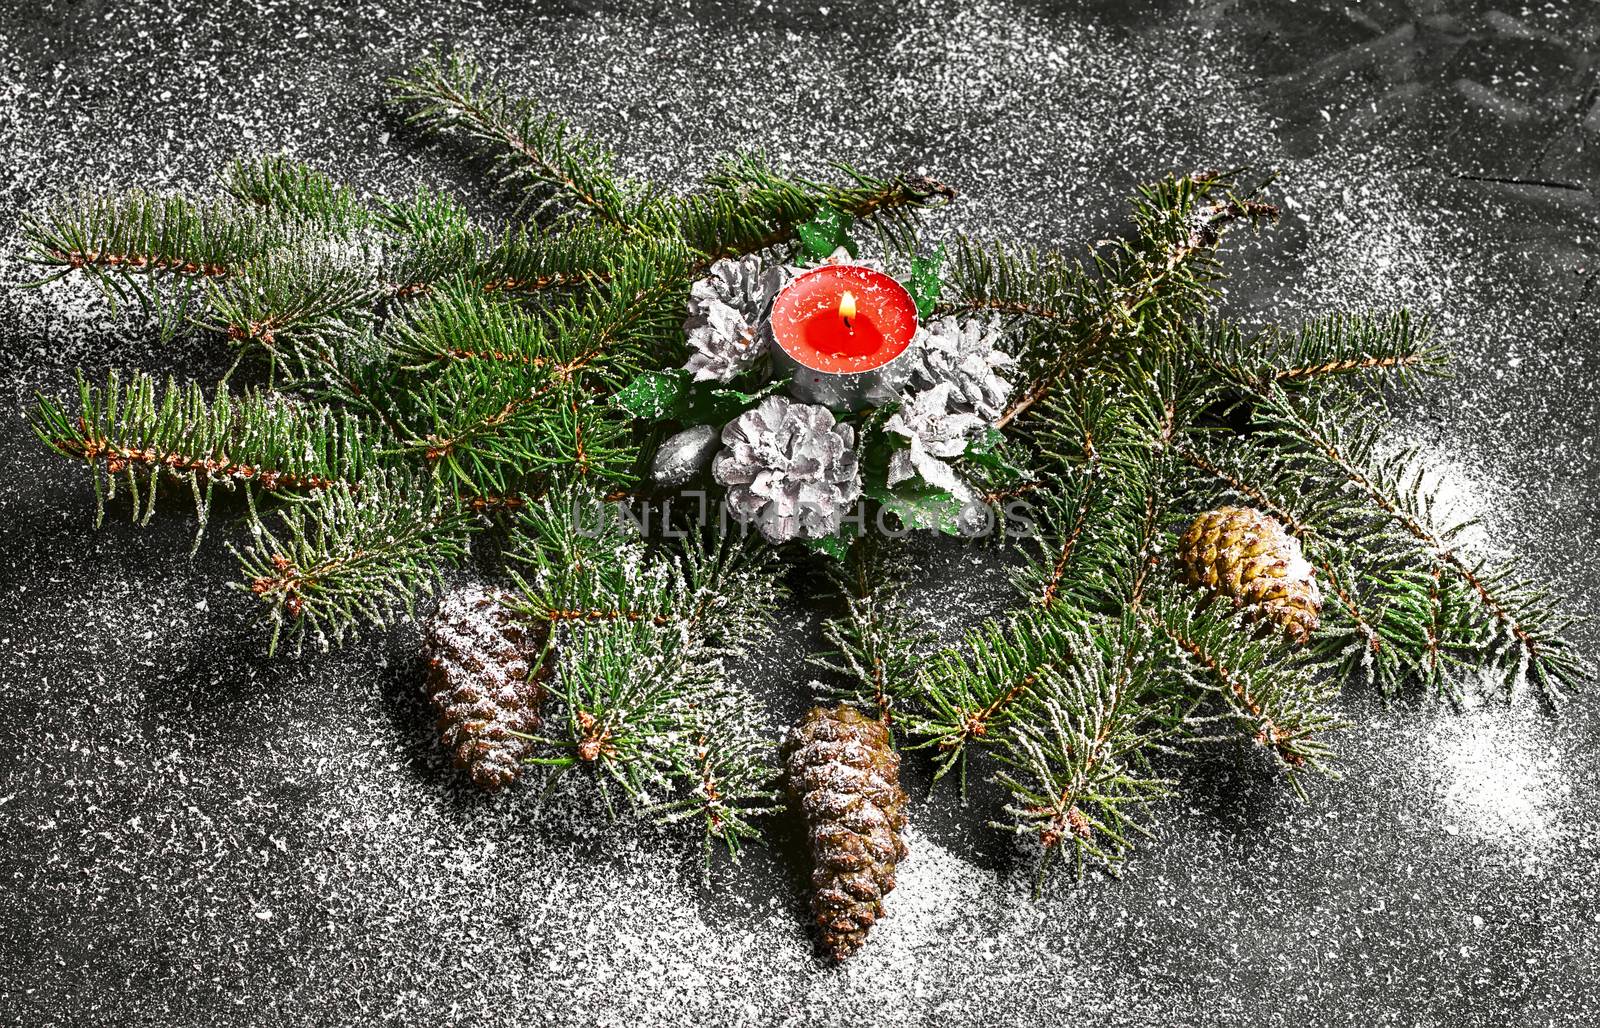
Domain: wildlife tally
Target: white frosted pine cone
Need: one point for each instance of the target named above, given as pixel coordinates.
(727, 323)
(790, 468)
(936, 429)
(967, 355)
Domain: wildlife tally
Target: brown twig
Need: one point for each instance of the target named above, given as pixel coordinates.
(1343, 367)
(144, 263)
(975, 724)
(119, 458)
(1068, 547)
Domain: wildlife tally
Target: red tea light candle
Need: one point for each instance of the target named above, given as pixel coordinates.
(839, 332)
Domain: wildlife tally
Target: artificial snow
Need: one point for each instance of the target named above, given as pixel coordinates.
(191, 830)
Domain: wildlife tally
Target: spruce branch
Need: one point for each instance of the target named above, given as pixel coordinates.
(727, 779)
(653, 715)
(1005, 279)
(427, 237)
(140, 233)
(486, 425)
(460, 322)
(343, 368)
(1066, 513)
(136, 432)
(1111, 467)
(128, 243)
(642, 638)
(1091, 448)
(748, 206)
(1076, 766)
(285, 300)
(1521, 631)
(1129, 292)
(732, 592)
(294, 191)
(876, 644)
(1242, 471)
(1272, 698)
(351, 554)
(967, 697)
(484, 434)
(585, 562)
(1381, 600)
(623, 684)
(745, 206)
(524, 260)
(558, 171)
(1352, 638)
(1391, 343)
(589, 564)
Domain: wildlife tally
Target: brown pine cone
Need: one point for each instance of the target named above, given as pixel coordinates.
(479, 663)
(1248, 556)
(846, 780)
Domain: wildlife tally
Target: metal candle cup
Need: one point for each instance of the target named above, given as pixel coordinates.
(841, 333)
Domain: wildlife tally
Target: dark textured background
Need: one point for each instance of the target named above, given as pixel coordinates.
(191, 833)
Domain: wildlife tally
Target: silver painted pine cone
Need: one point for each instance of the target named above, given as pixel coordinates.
(967, 355)
(936, 430)
(727, 323)
(789, 468)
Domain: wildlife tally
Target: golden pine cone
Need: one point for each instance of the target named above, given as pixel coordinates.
(845, 778)
(1249, 557)
(480, 679)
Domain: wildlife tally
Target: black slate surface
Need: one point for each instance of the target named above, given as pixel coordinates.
(191, 833)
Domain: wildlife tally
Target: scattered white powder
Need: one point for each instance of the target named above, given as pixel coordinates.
(194, 829)
(1460, 493)
(1502, 781)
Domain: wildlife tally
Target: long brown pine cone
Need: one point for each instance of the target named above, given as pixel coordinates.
(845, 778)
(1249, 557)
(480, 679)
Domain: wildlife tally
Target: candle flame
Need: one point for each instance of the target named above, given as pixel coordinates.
(847, 306)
